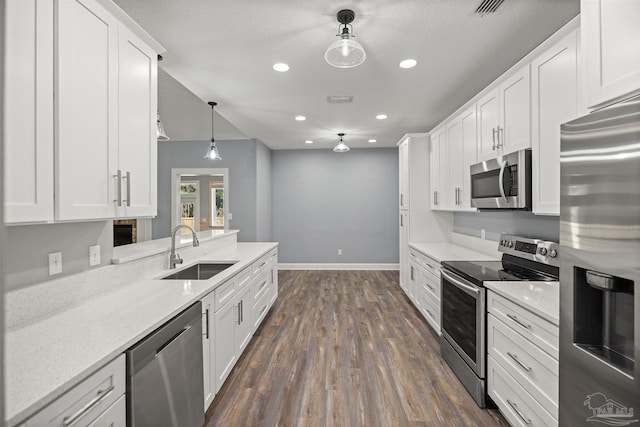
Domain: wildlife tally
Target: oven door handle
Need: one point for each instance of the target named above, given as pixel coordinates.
(501, 181)
(471, 290)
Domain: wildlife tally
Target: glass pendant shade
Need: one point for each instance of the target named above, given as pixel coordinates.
(162, 136)
(212, 152)
(345, 53)
(341, 147)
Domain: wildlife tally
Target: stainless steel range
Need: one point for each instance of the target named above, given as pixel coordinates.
(463, 342)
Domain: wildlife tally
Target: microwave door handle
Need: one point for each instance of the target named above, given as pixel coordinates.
(501, 181)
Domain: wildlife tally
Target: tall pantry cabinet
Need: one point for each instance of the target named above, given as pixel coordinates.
(417, 222)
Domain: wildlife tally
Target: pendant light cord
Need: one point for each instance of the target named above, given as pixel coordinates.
(213, 104)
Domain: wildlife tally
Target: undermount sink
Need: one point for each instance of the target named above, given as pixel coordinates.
(202, 271)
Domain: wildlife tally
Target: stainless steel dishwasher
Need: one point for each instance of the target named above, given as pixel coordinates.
(164, 374)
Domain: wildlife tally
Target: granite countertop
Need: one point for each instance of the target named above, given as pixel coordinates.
(541, 298)
(450, 252)
(46, 358)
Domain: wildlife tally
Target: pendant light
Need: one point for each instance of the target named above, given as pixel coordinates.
(212, 152)
(341, 147)
(162, 136)
(345, 53)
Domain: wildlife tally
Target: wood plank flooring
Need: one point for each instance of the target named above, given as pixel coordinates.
(344, 348)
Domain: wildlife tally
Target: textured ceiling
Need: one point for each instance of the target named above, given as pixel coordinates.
(223, 50)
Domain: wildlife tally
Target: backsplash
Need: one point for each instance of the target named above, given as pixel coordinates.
(520, 223)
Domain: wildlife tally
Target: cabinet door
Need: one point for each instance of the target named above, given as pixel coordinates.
(554, 101)
(488, 122)
(434, 161)
(515, 112)
(137, 141)
(403, 154)
(224, 324)
(404, 249)
(468, 121)
(611, 49)
(28, 112)
(455, 164)
(208, 348)
(244, 327)
(87, 104)
(444, 198)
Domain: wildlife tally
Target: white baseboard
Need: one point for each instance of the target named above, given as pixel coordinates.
(302, 266)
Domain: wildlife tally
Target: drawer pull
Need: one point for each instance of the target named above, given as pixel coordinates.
(518, 321)
(429, 313)
(262, 265)
(262, 285)
(514, 357)
(263, 309)
(430, 266)
(101, 395)
(430, 287)
(515, 408)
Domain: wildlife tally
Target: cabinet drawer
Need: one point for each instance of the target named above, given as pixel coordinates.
(87, 400)
(534, 369)
(258, 266)
(517, 406)
(223, 294)
(430, 284)
(430, 309)
(262, 307)
(539, 331)
(115, 416)
(431, 265)
(259, 286)
(242, 279)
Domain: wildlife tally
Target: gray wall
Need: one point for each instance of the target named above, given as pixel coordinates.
(263, 192)
(325, 201)
(238, 156)
(27, 262)
(204, 191)
(515, 222)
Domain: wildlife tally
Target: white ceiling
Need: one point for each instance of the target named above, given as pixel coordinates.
(223, 50)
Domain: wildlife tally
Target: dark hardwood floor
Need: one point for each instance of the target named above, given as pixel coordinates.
(344, 348)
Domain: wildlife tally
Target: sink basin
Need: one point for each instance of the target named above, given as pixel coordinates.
(202, 271)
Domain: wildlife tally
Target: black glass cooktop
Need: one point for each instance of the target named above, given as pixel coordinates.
(486, 271)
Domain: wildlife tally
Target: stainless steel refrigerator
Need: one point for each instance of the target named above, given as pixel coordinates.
(600, 268)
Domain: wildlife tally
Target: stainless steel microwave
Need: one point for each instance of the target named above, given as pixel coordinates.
(503, 182)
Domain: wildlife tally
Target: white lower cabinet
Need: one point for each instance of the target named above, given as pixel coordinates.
(423, 288)
(522, 366)
(231, 315)
(97, 401)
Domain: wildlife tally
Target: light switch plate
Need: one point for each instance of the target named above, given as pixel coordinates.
(94, 255)
(55, 263)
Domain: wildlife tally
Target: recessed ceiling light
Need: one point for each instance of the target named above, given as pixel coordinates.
(371, 141)
(408, 63)
(281, 67)
(301, 118)
(381, 116)
(308, 141)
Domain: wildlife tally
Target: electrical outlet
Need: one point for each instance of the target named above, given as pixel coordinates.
(94, 255)
(55, 263)
(339, 251)
(230, 216)
(483, 234)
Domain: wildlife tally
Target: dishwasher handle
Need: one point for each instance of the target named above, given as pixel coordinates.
(172, 339)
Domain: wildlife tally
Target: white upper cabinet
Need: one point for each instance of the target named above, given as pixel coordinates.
(137, 139)
(555, 100)
(87, 104)
(438, 156)
(403, 156)
(462, 136)
(611, 49)
(504, 116)
(28, 111)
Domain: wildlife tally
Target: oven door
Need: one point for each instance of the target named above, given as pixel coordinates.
(463, 319)
(503, 182)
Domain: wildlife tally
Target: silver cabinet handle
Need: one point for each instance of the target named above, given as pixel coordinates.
(401, 221)
(518, 321)
(434, 198)
(430, 287)
(263, 309)
(241, 311)
(515, 357)
(401, 199)
(118, 177)
(500, 130)
(493, 147)
(128, 178)
(515, 408)
(429, 313)
(500, 183)
(261, 265)
(239, 321)
(262, 285)
(101, 395)
(412, 272)
(207, 320)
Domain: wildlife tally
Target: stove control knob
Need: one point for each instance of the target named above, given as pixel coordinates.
(543, 251)
(503, 242)
(510, 244)
(553, 253)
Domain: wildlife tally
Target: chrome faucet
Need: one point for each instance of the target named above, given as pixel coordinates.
(174, 258)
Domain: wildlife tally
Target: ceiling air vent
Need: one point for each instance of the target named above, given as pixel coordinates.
(340, 99)
(487, 7)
